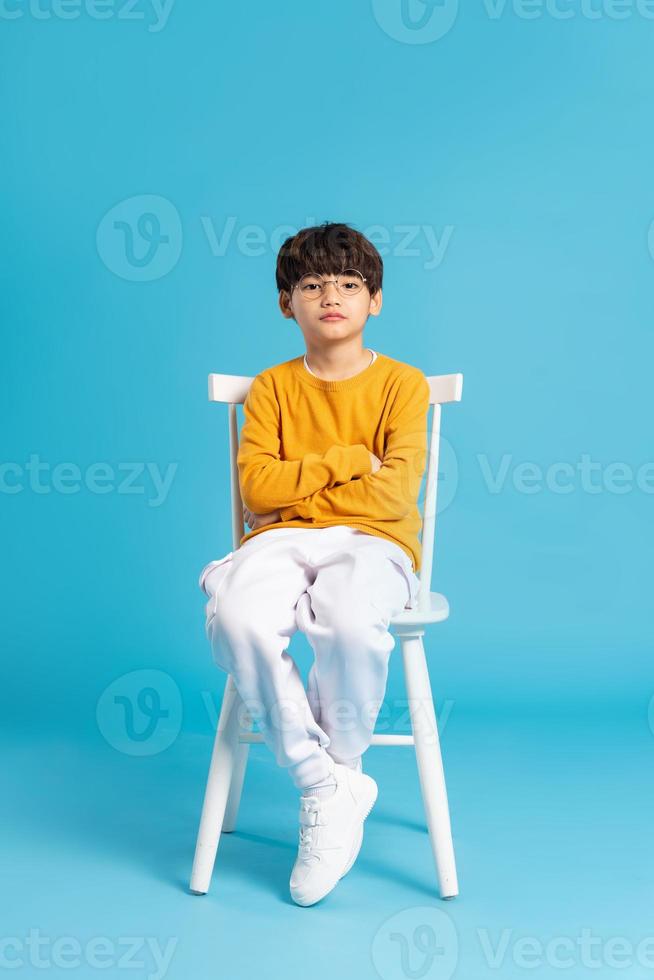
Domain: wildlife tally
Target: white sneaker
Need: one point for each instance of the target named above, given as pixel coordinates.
(331, 833)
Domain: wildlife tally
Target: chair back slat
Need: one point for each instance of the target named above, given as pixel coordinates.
(232, 389)
(237, 503)
(429, 510)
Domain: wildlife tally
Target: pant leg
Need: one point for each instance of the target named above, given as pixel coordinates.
(251, 618)
(345, 614)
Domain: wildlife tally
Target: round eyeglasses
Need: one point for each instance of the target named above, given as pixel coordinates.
(348, 283)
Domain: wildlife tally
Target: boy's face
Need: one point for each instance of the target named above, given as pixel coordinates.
(330, 316)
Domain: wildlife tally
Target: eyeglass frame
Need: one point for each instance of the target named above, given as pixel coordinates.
(327, 281)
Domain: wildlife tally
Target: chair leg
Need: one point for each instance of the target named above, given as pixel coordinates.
(238, 773)
(223, 760)
(430, 763)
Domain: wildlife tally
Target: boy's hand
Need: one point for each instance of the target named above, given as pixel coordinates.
(376, 462)
(255, 521)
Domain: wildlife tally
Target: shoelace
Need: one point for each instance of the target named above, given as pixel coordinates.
(310, 806)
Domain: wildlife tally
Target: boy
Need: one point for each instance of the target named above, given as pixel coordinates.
(332, 453)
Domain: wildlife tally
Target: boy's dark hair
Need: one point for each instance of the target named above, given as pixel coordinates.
(326, 248)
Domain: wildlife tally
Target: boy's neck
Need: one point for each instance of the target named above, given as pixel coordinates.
(338, 365)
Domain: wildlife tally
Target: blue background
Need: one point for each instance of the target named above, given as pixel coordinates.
(524, 145)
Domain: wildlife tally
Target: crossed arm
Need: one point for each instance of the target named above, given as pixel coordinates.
(341, 482)
(267, 482)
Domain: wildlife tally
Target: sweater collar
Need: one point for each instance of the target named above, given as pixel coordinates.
(346, 384)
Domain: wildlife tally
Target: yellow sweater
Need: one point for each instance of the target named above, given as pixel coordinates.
(305, 443)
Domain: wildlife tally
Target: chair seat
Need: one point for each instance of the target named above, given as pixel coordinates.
(437, 609)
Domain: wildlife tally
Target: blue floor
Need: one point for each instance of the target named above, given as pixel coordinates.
(552, 819)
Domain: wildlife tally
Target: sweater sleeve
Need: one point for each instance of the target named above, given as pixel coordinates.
(391, 492)
(269, 483)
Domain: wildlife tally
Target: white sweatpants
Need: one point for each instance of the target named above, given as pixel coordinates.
(338, 585)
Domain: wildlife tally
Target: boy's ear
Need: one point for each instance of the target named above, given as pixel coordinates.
(376, 303)
(284, 305)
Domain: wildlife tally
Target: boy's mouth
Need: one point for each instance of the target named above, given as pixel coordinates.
(332, 316)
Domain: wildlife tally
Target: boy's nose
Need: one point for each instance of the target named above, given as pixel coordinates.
(330, 291)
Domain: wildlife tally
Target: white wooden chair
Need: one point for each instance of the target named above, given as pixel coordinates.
(234, 733)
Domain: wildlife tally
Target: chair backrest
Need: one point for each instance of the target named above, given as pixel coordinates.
(232, 389)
